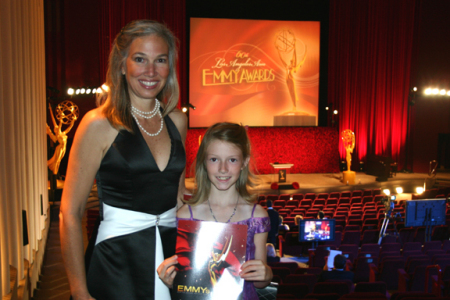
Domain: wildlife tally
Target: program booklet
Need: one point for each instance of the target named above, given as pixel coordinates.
(210, 256)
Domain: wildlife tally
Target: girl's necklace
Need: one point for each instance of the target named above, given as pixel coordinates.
(234, 210)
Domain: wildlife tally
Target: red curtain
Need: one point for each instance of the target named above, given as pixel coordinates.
(114, 14)
(370, 50)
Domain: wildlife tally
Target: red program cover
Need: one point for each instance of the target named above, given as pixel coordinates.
(210, 256)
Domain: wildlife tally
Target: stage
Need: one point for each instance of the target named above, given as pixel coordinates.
(331, 182)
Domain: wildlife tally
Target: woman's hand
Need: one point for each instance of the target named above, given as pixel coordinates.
(167, 271)
(256, 270)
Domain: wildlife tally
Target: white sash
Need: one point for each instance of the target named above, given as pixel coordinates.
(118, 222)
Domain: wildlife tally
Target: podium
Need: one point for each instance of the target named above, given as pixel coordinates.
(282, 170)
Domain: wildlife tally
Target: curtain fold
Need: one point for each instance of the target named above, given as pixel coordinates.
(22, 134)
(370, 50)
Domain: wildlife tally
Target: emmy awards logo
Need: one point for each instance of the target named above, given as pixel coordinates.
(288, 46)
(285, 43)
(66, 114)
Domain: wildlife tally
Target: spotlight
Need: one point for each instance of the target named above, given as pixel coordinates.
(428, 91)
(399, 190)
(415, 89)
(448, 93)
(387, 192)
(435, 91)
(442, 92)
(327, 108)
(419, 190)
(82, 91)
(105, 87)
(70, 91)
(77, 91)
(88, 91)
(335, 112)
(184, 109)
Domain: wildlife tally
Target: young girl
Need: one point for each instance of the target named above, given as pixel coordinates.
(223, 178)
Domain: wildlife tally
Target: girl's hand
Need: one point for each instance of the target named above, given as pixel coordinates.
(256, 270)
(166, 270)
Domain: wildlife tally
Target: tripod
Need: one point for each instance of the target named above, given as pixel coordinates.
(389, 207)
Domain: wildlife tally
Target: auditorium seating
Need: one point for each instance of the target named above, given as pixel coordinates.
(399, 264)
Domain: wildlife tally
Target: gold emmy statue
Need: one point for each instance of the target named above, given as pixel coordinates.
(217, 261)
(66, 113)
(286, 45)
(348, 140)
(287, 51)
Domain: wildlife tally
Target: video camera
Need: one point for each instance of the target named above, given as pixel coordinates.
(389, 203)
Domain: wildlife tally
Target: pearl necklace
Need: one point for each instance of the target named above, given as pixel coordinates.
(234, 211)
(147, 114)
(143, 115)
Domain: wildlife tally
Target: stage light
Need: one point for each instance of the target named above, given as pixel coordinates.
(435, 91)
(387, 192)
(99, 90)
(399, 190)
(448, 93)
(82, 91)
(335, 112)
(105, 87)
(184, 109)
(88, 91)
(428, 91)
(442, 92)
(77, 91)
(419, 190)
(415, 89)
(70, 91)
(327, 108)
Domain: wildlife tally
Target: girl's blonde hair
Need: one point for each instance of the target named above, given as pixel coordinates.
(236, 135)
(116, 107)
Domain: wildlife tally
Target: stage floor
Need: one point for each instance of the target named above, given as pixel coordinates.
(330, 182)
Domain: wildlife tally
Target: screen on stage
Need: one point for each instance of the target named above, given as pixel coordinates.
(254, 72)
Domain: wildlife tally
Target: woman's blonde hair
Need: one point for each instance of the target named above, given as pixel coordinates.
(236, 135)
(117, 108)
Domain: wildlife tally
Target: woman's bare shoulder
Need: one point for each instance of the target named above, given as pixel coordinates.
(180, 120)
(96, 127)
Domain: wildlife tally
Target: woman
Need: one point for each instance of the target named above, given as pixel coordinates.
(133, 145)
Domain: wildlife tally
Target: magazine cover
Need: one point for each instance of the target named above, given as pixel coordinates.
(210, 256)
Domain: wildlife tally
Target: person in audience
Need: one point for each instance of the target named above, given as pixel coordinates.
(297, 219)
(275, 223)
(338, 272)
(133, 145)
(321, 215)
(272, 253)
(283, 227)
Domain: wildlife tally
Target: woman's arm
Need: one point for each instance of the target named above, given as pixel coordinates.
(85, 157)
